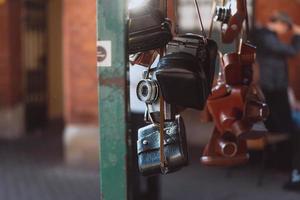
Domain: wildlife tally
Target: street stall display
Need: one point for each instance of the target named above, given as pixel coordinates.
(183, 78)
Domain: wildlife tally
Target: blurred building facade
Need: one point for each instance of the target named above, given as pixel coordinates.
(48, 70)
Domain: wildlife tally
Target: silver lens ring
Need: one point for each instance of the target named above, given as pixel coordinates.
(147, 91)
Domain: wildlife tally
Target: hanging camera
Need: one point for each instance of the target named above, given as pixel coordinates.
(161, 145)
(148, 91)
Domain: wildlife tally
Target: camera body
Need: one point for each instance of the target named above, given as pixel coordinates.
(148, 91)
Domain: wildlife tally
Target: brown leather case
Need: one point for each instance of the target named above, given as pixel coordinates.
(145, 58)
(228, 109)
(224, 150)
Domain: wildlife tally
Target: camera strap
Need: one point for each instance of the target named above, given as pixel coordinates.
(245, 30)
(163, 7)
(200, 18)
(214, 5)
(163, 161)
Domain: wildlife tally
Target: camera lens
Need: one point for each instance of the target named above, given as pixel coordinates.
(147, 90)
(144, 90)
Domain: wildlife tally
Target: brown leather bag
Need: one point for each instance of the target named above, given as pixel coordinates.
(226, 106)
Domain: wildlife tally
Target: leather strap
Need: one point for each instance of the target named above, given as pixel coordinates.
(145, 59)
(245, 31)
(163, 161)
(163, 7)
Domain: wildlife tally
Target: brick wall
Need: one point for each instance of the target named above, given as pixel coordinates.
(10, 61)
(80, 78)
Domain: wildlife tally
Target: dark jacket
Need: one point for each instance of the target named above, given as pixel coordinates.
(272, 57)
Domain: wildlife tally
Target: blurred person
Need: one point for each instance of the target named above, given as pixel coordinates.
(272, 55)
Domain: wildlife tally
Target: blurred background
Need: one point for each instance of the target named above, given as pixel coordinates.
(49, 111)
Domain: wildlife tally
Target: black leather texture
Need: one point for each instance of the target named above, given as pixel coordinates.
(206, 50)
(182, 81)
(186, 73)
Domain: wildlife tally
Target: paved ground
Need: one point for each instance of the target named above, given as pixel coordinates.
(197, 182)
(33, 169)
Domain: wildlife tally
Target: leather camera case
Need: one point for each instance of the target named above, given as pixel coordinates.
(236, 109)
(226, 109)
(148, 146)
(224, 150)
(185, 74)
(148, 30)
(181, 81)
(206, 50)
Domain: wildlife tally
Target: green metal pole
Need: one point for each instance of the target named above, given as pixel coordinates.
(112, 72)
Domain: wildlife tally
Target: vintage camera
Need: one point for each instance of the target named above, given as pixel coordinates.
(148, 144)
(148, 91)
